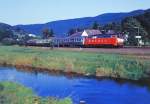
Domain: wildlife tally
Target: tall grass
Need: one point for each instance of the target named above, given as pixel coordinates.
(99, 64)
(12, 93)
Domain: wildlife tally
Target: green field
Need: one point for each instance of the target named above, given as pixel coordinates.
(86, 63)
(12, 93)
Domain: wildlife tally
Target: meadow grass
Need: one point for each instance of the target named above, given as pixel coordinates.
(87, 63)
(12, 93)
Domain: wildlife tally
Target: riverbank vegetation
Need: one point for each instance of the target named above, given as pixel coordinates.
(12, 93)
(84, 63)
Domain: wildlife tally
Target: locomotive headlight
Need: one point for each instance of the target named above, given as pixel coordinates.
(120, 40)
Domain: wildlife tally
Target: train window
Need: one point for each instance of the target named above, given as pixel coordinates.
(113, 36)
(94, 37)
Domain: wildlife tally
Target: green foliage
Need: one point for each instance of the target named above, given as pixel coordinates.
(8, 41)
(71, 31)
(12, 93)
(95, 25)
(47, 33)
(144, 19)
(134, 28)
(5, 34)
(113, 26)
(74, 30)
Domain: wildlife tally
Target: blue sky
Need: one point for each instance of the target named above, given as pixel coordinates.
(16, 12)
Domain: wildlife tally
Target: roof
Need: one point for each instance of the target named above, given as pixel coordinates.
(77, 34)
(93, 32)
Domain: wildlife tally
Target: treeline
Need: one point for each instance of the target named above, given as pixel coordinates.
(145, 22)
(137, 25)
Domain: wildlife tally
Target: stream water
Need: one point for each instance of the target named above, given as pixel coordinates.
(90, 90)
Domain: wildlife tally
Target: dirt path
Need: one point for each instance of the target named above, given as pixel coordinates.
(126, 51)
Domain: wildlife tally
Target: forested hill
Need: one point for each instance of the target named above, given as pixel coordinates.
(63, 26)
(5, 31)
(8, 31)
(144, 19)
(137, 25)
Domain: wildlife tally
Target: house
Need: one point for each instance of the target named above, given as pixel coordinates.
(32, 35)
(92, 32)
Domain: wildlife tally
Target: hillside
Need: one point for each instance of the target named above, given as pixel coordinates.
(5, 31)
(63, 26)
(144, 19)
(13, 33)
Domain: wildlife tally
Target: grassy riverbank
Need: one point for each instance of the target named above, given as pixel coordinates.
(12, 93)
(86, 63)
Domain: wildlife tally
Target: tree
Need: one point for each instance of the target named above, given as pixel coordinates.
(95, 25)
(71, 31)
(5, 33)
(74, 30)
(131, 25)
(47, 33)
(113, 26)
(51, 33)
(144, 20)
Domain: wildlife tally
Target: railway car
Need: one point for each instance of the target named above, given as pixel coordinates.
(104, 40)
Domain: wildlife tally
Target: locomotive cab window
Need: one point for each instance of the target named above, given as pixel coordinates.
(114, 36)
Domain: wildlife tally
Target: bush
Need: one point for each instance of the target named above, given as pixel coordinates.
(8, 41)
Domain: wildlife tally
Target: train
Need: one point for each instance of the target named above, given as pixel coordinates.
(88, 38)
(105, 40)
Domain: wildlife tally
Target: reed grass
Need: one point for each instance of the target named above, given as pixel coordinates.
(12, 93)
(87, 63)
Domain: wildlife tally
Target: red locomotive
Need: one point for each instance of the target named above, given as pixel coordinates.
(103, 40)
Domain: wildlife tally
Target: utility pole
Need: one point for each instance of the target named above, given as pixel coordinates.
(138, 36)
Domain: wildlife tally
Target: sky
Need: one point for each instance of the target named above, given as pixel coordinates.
(16, 12)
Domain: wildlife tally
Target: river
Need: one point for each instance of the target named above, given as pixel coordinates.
(90, 90)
